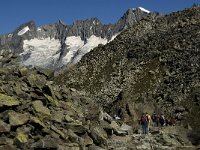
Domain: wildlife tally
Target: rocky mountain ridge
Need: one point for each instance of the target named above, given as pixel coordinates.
(152, 66)
(55, 45)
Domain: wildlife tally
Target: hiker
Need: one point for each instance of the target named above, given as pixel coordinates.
(149, 121)
(155, 119)
(144, 123)
(162, 120)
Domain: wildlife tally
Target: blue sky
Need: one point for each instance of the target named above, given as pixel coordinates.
(16, 12)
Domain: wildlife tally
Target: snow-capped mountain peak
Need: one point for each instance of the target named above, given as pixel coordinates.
(55, 45)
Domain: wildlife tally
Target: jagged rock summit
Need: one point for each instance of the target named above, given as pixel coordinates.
(55, 45)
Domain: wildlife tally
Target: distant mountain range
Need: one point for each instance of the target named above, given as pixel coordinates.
(54, 45)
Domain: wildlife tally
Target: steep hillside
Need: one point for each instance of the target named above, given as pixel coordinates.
(153, 66)
(36, 113)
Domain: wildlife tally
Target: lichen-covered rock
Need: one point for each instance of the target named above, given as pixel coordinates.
(68, 118)
(99, 135)
(6, 100)
(21, 138)
(58, 116)
(46, 143)
(40, 108)
(16, 119)
(4, 127)
(23, 71)
(87, 140)
(94, 147)
(37, 121)
(7, 147)
(5, 141)
(36, 80)
(52, 100)
(58, 131)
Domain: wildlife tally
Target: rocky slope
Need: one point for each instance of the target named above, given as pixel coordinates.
(36, 113)
(153, 66)
(54, 45)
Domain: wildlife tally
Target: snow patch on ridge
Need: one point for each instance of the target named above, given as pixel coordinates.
(23, 31)
(114, 36)
(143, 9)
(77, 48)
(41, 52)
(74, 43)
(92, 42)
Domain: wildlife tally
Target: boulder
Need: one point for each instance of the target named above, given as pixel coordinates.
(7, 147)
(127, 128)
(53, 101)
(58, 131)
(117, 129)
(69, 107)
(37, 122)
(69, 146)
(104, 116)
(77, 127)
(19, 92)
(87, 140)
(36, 80)
(99, 136)
(6, 100)
(57, 116)
(23, 71)
(40, 108)
(94, 147)
(5, 141)
(21, 138)
(179, 109)
(4, 127)
(72, 136)
(16, 119)
(68, 118)
(194, 137)
(4, 71)
(46, 143)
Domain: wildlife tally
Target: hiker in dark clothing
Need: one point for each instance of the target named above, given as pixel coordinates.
(144, 123)
(162, 120)
(155, 119)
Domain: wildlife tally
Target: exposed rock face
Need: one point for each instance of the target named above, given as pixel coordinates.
(35, 112)
(152, 66)
(54, 45)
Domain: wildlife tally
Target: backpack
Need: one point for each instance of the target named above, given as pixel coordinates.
(144, 119)
(154, 117)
